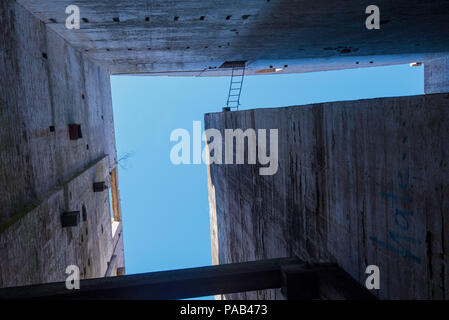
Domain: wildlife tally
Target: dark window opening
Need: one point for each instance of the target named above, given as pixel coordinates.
(75, 131)
(84, 213)
(233, 64)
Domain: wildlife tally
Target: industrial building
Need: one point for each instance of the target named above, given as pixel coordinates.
(358, 182)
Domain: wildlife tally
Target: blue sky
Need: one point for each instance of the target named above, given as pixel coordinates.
(165, 207)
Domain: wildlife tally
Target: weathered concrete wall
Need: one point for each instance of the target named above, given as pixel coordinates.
(436, 75)
(51, 76)
(359, 183)
(196, 37)
(38, 92)
(37, 249)
(45, 84)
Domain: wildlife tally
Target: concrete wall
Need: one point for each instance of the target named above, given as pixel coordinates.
(161, 36)
(51, 76)
(359, 183)
(36, 249)
(47, 83)
(436, 75)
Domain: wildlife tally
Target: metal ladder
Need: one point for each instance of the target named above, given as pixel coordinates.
(235, 88)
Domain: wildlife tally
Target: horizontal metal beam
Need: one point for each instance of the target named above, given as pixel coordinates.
(321, 281)
(175, 284)
(298, 280)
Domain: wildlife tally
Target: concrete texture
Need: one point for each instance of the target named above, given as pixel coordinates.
(359, 183)
(191, 37)
(436, 75)
(341, 163)
(45, 85)
(37, 249)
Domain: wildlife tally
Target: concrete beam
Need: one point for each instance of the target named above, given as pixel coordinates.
(175, 284)
(295, 35)
(298, 280)
(321, 281)
(111, 265)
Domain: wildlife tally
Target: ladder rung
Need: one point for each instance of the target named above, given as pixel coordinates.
(235, 91)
